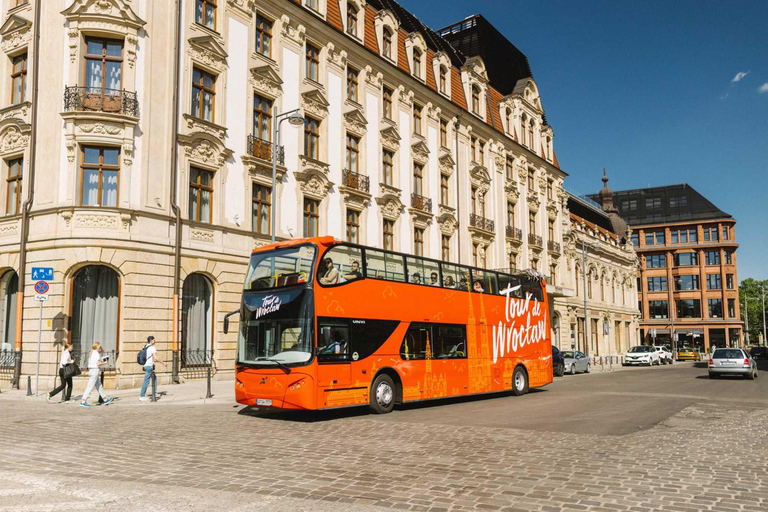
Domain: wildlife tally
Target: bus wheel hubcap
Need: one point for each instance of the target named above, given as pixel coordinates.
(519, 381)
(384, 394)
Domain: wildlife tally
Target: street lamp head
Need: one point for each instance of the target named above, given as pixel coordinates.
(296, 119)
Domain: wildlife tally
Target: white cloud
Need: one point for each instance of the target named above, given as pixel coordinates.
(763, 88)
(739, 76)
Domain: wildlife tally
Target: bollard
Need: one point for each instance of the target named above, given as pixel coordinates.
(29, 385)
(209, 395)
(154, 387)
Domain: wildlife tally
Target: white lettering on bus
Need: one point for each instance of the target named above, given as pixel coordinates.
(512, 335)
(270, 304)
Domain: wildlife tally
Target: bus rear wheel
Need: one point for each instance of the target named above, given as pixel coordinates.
(382, 395)
(519, 381)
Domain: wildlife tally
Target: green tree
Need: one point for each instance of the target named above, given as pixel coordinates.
(750, 295)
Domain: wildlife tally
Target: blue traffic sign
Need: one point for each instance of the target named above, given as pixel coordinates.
(42, 273)
(41, 287)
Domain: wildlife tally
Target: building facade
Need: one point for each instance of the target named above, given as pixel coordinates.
(687, 281)
(140, 167)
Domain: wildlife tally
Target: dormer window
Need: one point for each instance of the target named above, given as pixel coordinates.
(312, 68)
(312, 4)
(475, 100)
(352, 20)
(387, 46)
(205, 13)
(417, 63)
(443, 80)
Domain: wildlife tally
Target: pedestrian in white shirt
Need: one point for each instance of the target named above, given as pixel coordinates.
(95, 362)
(149, 367)
(66, 358)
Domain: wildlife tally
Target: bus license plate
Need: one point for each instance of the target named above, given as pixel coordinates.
(264, 401)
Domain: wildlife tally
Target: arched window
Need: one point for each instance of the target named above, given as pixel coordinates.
(530, 134)
(443, 79)
(94, 317)
(523, 123)
(9, 286)
(416, 63)
(476, 100)
(196, 320)
(387, 46)
(589, 284)
(602, 289)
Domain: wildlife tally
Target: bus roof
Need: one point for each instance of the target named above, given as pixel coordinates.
(319, 240)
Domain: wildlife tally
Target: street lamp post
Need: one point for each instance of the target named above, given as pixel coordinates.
(295, 118)
(584, 272)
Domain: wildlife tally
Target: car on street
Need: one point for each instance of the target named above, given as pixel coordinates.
(558, 362)
(665, 354)
(759, 352)
(642, 354)
(576, 361)
(732, 361)
(688, 354)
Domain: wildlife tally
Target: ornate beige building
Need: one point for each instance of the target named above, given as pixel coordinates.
(138, 161)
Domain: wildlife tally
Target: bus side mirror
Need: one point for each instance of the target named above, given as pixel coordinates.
(226, 320)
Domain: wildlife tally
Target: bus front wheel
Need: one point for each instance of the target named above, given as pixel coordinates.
(519, 381)
(382, 396)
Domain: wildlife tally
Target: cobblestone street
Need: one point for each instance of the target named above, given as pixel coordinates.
(643, 439)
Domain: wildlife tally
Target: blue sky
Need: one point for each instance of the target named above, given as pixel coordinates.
(649, 90)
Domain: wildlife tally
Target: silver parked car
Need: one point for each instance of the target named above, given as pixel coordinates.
(732, 361)
(576, 361)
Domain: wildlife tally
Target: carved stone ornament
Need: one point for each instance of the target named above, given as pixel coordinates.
(100, 128)
(522, 172)
(355, 121)
(446, 220)
(208, 52)
(314, 184)
(266, 81)
(314, 103)
(421, 218)
(18, 112)
(510, 190)
(95, 220)
(204, 150)
(433, 112)
(13, 139)
(9, 228)
(420, 152)
(533, 200)
(375, 79)
(479, 174)
(130, 49)
(390, 139)
(197, 125)
(261, 170)
(354, 197)
(15, 33)
(126, 218)
(552, 209)
(292, 33)
(244, 7)
(71, 146)
(391, 206)
(447, 164)
(201, 235)
(128, 154)
(336, 58)
(389, 190)
(406, 98)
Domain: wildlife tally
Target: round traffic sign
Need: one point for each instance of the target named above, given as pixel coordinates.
(41, 287)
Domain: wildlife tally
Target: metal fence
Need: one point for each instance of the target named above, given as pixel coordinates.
(196, 362)
(7, 362)
(97, 99)
(355, 180)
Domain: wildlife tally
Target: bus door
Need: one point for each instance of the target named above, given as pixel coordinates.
(333, 355)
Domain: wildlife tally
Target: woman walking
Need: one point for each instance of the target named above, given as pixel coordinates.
(95, 362)
(66, 358)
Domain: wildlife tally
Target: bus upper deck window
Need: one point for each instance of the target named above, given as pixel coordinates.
(340, 264)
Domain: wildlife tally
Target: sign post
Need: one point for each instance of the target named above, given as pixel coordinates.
(42, 274)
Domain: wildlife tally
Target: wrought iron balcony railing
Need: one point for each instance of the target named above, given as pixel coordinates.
(553, 246)
(535, 240)
(98, 99)
(514, 233)
(480, 222)
(261, 148)
(355, 180)
(421, 202)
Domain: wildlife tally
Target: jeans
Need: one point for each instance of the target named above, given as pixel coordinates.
(93, 382)
(64, 382)
(149, 373)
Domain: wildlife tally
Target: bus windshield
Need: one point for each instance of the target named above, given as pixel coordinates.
(281, 267)
(277, 328)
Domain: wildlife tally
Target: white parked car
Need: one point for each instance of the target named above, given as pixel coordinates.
(642, 354)
(665, 355)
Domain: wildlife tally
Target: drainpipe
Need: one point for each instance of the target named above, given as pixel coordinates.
(26, 207)
(456, 126)
(174, 206)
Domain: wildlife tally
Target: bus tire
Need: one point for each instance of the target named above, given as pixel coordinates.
(519, 381)
(382, 395)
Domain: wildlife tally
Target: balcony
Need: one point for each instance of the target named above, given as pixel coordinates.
(535, 240)
(479, 222)
(553, 246)
(263, 149)
(97, 99)
(355, 180)
(515, 233)
(421, 203)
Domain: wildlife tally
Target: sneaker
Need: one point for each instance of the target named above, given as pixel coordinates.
(84, 404)
(108, 400)
(48, 397)
(144, 399)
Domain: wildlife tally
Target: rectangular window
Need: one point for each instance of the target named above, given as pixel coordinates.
(629, 206)
(387, 44)
(673, 237)
(311, 217)
(551, 230)
(262, 123)
(104, 70)
(729, 257)
(688, 308)
(418, 242)
(261, 208)
(649, 238)
(549, 190)
(692, 235)
(731, 308)
(690, 282)
(481, 152)
(729, 281)
(353, 153)
(19, 79)
(686, 259)
(263, 36)
(658, 309)
(312, 64)
(635, 237)
(200, 195)
(418, 179)
(444, 189)
(352, 83)
(387, 102)
(205, 13)
(389, 235)
(416, 63)
(98, 171)
(659, 238)
(657, 284)
(712, 257)
(351, 20)
(656, 261)
(715, 308)
(530, 181)
(725, 233)
(203, 94)
(387, 163)
(439, 341)
(311, 138)
(710, 234)
(714, 282)
(353, 226)
(312, 4)
(15, 175)
(531, 223)
(510, 168)
(417, 111)
(446, 248)
(510, 214)
(444, 133)
(652, 203)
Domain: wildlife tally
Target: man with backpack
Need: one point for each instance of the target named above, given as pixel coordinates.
(147, 358)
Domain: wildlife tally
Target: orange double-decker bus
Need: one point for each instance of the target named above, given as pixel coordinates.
(326, 324)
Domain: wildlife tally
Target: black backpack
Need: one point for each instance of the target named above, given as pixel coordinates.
(141, 357)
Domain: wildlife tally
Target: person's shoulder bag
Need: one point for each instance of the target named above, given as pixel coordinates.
(71, 370)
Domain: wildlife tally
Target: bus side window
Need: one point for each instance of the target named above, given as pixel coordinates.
(332, 339)
(383, 265)
(534, 288)
(422, 271)
(508, 281)
(415, 342)
(346, 265)
(450, 342)
(490, 282)
(456, 277)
